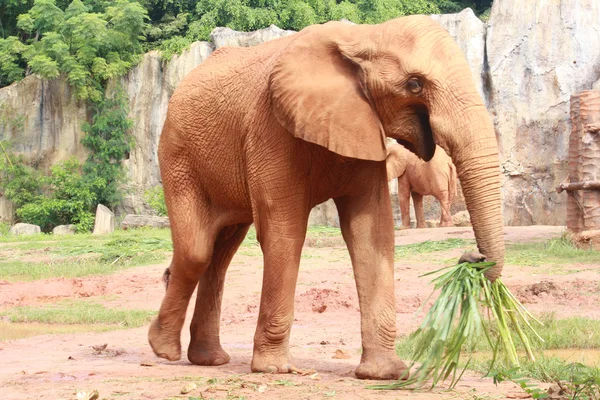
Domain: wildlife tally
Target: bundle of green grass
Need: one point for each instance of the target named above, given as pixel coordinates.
(467, 298)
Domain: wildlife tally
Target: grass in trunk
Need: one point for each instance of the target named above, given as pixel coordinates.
(457, 316)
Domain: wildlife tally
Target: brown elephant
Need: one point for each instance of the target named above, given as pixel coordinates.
(263, 134)
(418, 178)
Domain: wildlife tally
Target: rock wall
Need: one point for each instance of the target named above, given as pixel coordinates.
(539, 53)
(526, 62)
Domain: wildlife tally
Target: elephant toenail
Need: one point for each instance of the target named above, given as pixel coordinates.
(271, 369)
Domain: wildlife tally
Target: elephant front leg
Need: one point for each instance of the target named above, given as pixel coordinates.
(419, 213)
(281, 243)
(367, 227)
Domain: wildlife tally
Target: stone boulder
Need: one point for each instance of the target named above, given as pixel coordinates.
(138, 221)
(461, 218)
(64, 230)
(431, 223)
(105, 220)
(24, 229)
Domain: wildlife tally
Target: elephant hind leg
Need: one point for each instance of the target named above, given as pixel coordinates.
(205, 346)
(194, 235)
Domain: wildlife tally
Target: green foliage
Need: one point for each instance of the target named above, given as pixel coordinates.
(155, 197)
(88, 47)
(92, 40)
(70, 201)
(552, 252)
(19, 183)
(109, 142)
(78, 312)
(82, 254)
(428, 246)
(575, 381)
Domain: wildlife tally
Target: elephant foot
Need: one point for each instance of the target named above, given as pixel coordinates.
(405, 227)
(381, 367)
(445, 224)
(202, 354)
(271, 364)
(421, 226)
(165, 344)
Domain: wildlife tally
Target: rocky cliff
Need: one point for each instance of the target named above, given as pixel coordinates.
(526, 62)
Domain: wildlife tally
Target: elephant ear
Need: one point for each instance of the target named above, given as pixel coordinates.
(395, 162)
(318, 93)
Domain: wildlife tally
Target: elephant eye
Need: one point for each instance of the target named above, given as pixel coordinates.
(414, 85)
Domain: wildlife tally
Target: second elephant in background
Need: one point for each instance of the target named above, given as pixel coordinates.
(435, 178)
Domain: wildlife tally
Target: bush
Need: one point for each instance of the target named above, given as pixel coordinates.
(19, 183)
(72, 197)
(155, 197)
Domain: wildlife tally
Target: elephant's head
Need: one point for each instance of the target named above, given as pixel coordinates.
(347, 87)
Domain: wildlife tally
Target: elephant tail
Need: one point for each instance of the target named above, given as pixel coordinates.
(452, 182)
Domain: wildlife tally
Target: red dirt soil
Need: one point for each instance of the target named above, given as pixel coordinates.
(325, 336)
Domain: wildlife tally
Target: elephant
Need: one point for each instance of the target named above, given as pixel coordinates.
(418, 178)
(260, 135)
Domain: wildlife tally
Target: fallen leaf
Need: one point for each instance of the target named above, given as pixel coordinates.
(188, 388)
(315, 377)
(147, 363)
(341, 355)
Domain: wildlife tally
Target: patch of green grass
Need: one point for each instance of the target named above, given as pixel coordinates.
(22, 271)
(323, 231)
(429, 246)
(78, 312)
(82, 254)
(551, 252)
(569, 333)
(11, 331)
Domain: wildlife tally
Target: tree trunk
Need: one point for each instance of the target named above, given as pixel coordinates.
(583, 207)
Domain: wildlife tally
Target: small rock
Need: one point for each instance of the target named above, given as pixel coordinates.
(261, 389)
(461, 218)
(64, 230)
(315, 377)
(25, 229)
(138, 221)
(323, 342)
(147, 363)
(100, 347)
(321, 309)
(432, 224)
(341, 355)
(105, 220)
(93, 395)
(188, 388)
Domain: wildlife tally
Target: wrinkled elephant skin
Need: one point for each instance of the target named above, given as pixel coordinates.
(263, 134)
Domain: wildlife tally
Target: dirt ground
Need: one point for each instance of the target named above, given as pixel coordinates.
(325, 336)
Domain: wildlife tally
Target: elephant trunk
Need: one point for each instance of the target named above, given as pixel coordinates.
(474, 151)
